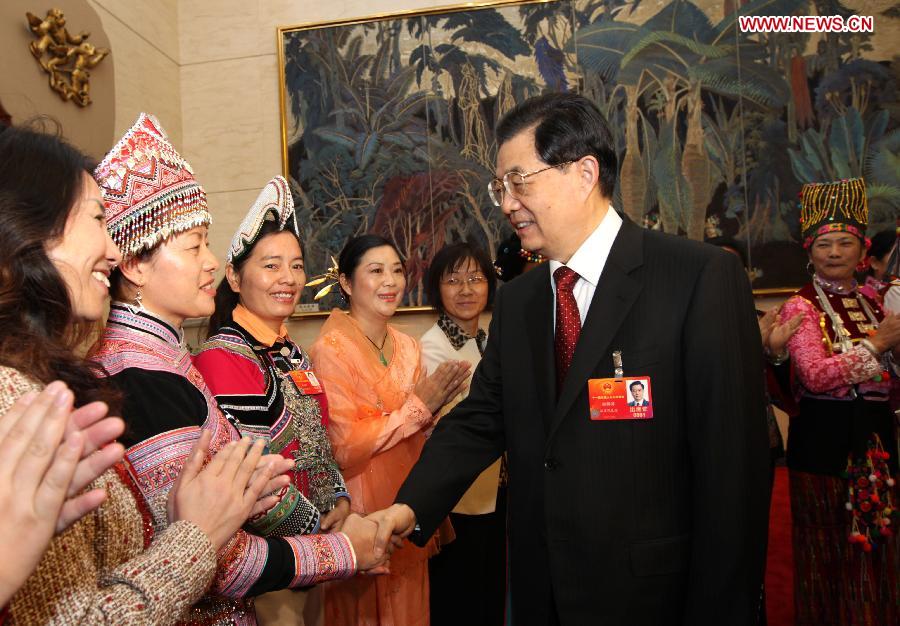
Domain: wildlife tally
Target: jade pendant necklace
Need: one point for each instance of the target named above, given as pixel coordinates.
(379, 349)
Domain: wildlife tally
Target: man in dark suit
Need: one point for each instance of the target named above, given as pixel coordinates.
(637, 392)
(644, 522)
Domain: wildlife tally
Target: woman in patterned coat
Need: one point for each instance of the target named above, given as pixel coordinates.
(112, 566)
(842, 446)
(265, 383)
(156, 212)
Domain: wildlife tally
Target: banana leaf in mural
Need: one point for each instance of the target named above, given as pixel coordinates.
(388, 123)
(852, 148)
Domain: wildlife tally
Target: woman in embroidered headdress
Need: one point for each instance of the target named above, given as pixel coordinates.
(112, 566)
(264, 381)
(157, 214)
(380, 402)
(842, 450)
(460, 285)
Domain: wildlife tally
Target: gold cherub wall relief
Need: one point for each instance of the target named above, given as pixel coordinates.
(67, 58)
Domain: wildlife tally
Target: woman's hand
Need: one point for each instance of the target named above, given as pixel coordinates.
(888, 335)
(97, 456)
(276, 487)
(447, 380)
(36, 472)
(334, 519)
(218, 498)
(775, 332)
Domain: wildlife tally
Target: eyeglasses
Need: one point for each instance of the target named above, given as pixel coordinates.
(473, 280)
(514, 183)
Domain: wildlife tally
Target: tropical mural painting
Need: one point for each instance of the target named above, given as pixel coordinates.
(388, 122)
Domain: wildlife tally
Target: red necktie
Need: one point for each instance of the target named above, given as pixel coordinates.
(568, 322)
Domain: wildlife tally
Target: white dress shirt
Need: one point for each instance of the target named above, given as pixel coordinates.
(588, 262)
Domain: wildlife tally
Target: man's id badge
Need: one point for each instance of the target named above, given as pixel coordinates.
(306, 382)
(626, 398)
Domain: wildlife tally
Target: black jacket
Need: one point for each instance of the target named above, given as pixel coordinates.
(645, 523)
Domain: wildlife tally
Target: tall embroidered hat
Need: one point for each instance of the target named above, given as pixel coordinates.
(839, 206)
(149, 190)
(274, 204)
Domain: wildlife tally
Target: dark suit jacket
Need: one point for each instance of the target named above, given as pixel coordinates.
(641, 403)
(639, 522)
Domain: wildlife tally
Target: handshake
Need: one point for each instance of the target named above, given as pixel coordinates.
(376, 536)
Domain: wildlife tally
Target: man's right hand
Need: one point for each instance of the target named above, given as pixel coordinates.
(394, 523)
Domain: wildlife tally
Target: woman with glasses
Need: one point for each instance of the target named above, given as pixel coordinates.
(380, 403)
(460, 285)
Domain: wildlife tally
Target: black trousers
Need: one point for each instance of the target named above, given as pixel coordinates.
(468, 577)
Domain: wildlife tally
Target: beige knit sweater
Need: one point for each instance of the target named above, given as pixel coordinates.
(104, 569)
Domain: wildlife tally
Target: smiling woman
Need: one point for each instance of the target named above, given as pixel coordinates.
(85, 254)
(461, 285)
(161, 222)
(265, 381)
(844, 355)
(381, 402)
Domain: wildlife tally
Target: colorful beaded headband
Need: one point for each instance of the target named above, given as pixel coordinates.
(840, 206)
(274, 204)
(149, 191)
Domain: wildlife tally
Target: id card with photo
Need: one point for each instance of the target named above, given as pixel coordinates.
(620, 398)
(306, 382)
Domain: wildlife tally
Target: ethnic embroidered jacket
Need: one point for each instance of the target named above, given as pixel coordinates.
(843, 394)
(110, 567)
(834, 376)
(166, 404)
(251, 380)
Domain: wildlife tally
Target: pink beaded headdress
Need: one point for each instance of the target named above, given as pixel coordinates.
(149, 190)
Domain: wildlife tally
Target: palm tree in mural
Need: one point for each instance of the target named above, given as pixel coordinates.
(460, 61)
(675, 60)
(364, 129)
(475, 88)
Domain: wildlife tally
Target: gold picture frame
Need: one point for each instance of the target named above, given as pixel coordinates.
(581, 45)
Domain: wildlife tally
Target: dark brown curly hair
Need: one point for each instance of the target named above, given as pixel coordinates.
(41, 179)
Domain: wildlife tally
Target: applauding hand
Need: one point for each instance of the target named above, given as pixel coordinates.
(334, 519)
(776, 333)
(38, 471)
(219, 497)
(448, 379)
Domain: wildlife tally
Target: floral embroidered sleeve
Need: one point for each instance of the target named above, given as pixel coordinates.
(248, 564)
(818, 372)
(358, 428)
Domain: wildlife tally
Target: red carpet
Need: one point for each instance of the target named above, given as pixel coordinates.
(780, 564)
